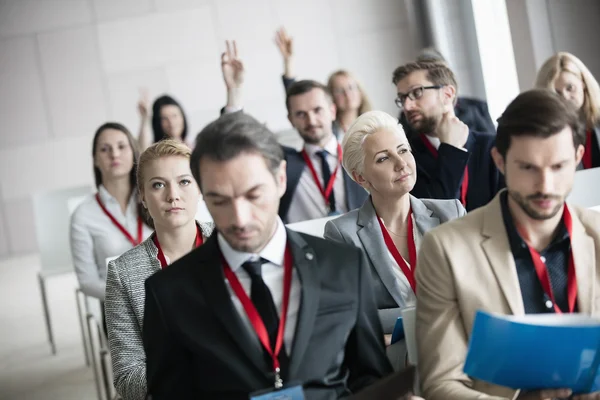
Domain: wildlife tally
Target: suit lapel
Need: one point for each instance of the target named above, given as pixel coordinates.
(212, 280)
(294, 167)
(372, 240)
(499, 255)
(424, 219)
(584, 256)
(305, 262)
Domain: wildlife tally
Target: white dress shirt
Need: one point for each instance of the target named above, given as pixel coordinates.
(94, 238)
(435, 142)
(272, 274)
(408, 295)
(308, 202)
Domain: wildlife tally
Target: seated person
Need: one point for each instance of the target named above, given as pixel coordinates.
(494, 258)
(257, 305)
(391, 223)
(453, 162)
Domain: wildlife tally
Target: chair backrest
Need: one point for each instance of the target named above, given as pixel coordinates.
(314, 227)
(52, 211)
(202, 213)
(586, 190)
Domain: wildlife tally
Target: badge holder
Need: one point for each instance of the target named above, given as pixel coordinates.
(290, 391)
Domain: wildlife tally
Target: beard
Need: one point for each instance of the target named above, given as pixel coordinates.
(525, 203)
(427, 125)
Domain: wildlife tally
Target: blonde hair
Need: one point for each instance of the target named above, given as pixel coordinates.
(160, 149)
(567, 62)
(367, 124)
(365, 104)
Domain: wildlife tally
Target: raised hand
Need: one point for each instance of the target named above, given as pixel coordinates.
(232, 66)
(143, 105)
(285, 44)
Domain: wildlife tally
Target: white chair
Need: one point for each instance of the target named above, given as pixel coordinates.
(52, 211)
(314, 227)
(586, 191)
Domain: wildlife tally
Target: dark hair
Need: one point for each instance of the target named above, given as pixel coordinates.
(132, 173)
(300, 87)
(157, 129)
(132, 143)
(438, 73)
(540, 113)
(231, 135)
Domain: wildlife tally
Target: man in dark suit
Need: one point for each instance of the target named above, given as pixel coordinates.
(258, 305)
(311, 111)
(453, 162)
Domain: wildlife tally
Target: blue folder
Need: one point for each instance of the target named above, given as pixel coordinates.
(536, 351)
(398, 333)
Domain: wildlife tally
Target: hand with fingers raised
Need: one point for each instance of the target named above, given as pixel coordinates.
(285, 44)
(233, 75)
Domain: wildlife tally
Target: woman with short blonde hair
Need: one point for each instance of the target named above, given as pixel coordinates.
(170, 195)
(391, 223)
(568, 76)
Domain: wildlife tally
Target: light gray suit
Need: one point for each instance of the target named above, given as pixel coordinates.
(361, 228)
(124, 308)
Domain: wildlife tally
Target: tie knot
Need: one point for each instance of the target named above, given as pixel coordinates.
(254, 268)
(322, 153)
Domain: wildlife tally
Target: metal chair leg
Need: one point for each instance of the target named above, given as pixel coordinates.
(82, 326)
(42, 282)
(90, 321)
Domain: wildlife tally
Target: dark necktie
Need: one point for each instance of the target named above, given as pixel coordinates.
(263, 301)
(326, 176)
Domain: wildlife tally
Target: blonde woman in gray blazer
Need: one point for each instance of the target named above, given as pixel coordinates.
(377, 155)
(170, 195)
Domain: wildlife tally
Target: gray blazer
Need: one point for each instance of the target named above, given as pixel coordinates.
(124, 309)
(360, 227)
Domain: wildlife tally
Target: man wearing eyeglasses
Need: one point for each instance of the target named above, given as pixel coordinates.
(452, 161)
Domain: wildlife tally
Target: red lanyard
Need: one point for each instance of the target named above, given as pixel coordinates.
(161, 256)
(587, 155)
(408, 270)
(329, 185)
(254, 316)
(133, 241)
(542, 270)
(464, 188)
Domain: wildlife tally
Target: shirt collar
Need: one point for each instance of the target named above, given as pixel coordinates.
(435, 141)
(514, 238)
(331, 147)
(273, 252)
(108, 198)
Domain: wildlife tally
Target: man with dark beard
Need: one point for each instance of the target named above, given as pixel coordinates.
(452, 162)
(526, 252)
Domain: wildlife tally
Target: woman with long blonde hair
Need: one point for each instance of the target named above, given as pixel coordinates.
(568, 76)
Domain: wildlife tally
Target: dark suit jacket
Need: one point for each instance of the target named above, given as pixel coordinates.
(355, 194)
(441, 177)
(198, 347)
(474, 113)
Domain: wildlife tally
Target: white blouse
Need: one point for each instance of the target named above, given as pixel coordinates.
(408, 296)
(94, 238)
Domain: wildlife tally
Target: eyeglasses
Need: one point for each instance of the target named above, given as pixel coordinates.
(414, 94)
